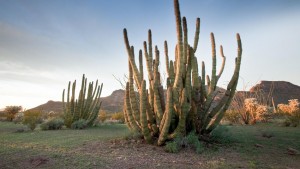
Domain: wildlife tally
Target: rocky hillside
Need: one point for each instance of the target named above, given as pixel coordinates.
(281, 91)
(112, 103)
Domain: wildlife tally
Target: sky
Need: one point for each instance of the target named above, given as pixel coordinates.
(46, 44)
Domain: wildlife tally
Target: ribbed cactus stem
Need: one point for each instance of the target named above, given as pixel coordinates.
(131, 120)
(180, 57)
(143, 113)
(131, 59)
(203, 88)
(141, 64)
(185, 40)
(197, 33)
(167, 119)
(212, 85)
(223, 63)
(167, 58)
(237, 64)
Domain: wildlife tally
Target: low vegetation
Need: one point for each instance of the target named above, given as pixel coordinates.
(291, 112)
(32, 118)
(108, 146)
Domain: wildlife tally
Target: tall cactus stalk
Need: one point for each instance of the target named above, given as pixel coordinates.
(189, 97)
(86, 106)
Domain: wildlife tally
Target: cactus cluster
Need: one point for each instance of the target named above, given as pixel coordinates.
(187, 104)
(87, 105)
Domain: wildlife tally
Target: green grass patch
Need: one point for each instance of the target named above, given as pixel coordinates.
(257, 146)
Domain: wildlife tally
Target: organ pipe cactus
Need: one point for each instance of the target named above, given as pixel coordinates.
(189, 96)
(86, 106)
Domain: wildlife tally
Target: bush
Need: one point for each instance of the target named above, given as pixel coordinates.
(79, 124)
(190, 140)
(11, 111)
(119, 117)
(172, 147)
(221, 135)
(2, 116)
(52, 124)
(291, 111)
(32, 118)
(193, 141)
(18, 118)
(232, 116)
(292, 120)
(102, 116)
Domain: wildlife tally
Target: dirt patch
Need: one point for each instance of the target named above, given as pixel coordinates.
(37, 161)
(137, 154)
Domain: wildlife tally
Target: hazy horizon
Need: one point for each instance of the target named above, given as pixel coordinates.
(45, 44)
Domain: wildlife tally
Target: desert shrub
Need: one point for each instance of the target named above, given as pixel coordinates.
(172, 147)
(18, 117)
(11, 111)
(79, 124)
(221, 135)
(192, 140)
(2, 116)
(53, 114)
(118, 116)
(52, 124)
(102, 116)
(32, 118)
(253, 106)
(232, 116)
(292, 120)
(291, 111)
(255, 112)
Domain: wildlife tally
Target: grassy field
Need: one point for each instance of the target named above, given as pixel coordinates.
(259, 146)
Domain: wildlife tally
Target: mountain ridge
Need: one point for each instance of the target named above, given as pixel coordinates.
(282, 91)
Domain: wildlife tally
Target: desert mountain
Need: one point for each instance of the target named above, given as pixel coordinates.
(281, 92)
(112, 103)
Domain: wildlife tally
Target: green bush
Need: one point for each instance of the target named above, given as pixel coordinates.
(172, 147)
(292, 120)
(79, 124)
(221, 135)
(52, 124)
(192, 140)
(32, 118)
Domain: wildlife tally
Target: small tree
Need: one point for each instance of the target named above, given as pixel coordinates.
(31, 118)
(11, 112)
(102, 116)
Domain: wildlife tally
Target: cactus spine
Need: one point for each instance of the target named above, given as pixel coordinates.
(86, 106)
(188, 105)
